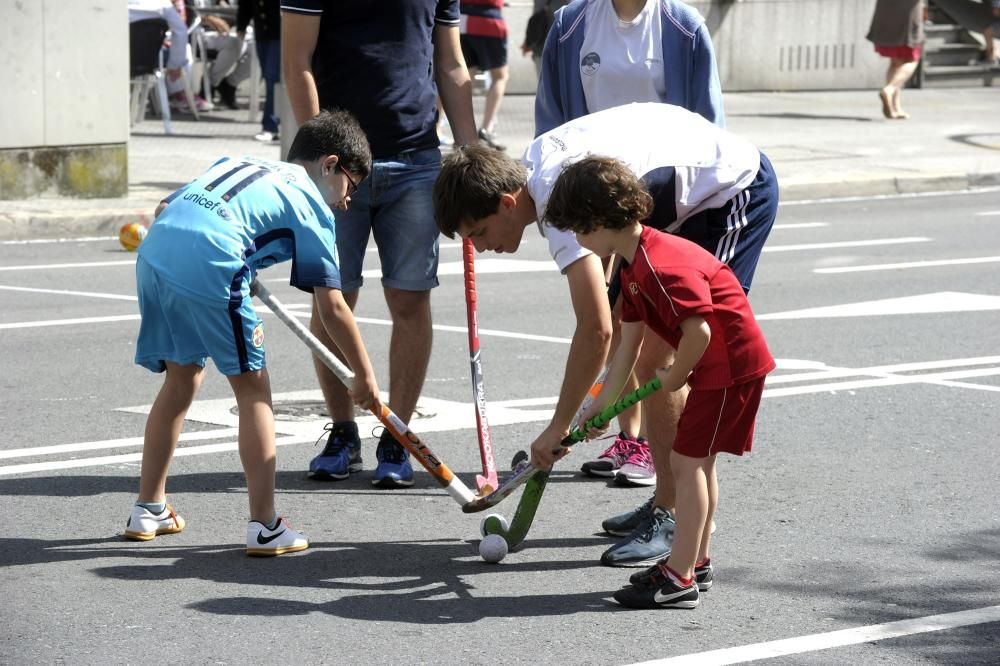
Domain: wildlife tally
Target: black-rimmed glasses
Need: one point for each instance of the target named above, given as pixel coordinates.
(353, 186)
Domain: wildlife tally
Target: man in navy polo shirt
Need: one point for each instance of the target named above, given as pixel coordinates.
(381, 61)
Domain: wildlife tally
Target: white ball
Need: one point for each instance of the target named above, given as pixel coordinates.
(493, 548)
(482, 523)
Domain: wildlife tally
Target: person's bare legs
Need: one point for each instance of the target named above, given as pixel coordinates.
(661, 414)
(498, 86)
(630, 420)
(338, 400)
(409, 348)
(990, 53)
(705, 551)
(163, 428)
(693, 511)
(256, 440)
(900, 71)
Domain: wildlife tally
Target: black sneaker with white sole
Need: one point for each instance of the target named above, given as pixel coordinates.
(660, 590)
(625, 523)
(703, 575)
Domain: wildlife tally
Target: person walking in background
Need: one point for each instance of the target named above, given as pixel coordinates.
(484, 46)
(537, 29)
(897, 31)
(600, 54)
(386, 62)
(266, 17)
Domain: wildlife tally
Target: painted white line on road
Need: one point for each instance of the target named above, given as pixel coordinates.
(879, 197)
(832, 246)
(448, 416)
(111, 444)
(801, 225)
(462, 329)
(908, 264)
(889, 380)
(833, 639)
(90, 294)
(28, 468)
(40, 241)
(988, 213)
(944, 301)
(46, 267)
(69, 322)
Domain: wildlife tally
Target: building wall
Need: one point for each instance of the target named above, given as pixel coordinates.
(64, 82)
(761, 44)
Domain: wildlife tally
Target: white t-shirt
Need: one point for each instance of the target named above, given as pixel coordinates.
(709, 164)
(622, 61)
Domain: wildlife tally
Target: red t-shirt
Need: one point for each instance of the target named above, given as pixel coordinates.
(671, 279)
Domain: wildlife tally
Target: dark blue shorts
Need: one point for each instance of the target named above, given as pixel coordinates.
(484, 53)
(736, 232)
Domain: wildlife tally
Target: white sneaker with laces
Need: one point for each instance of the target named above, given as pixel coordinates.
(144, 525)
(268, 543)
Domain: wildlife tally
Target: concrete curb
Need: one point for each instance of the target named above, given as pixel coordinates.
(34, 224)
(888, 185)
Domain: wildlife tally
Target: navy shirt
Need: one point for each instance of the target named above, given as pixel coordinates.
(374, 58)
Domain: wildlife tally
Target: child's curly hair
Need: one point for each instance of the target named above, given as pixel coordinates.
(595, 193)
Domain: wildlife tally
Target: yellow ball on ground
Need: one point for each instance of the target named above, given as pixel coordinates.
(131, 235)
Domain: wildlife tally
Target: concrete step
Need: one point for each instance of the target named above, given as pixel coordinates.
(940, 55)
(984, 73)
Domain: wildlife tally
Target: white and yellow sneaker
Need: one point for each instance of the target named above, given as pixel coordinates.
(144, 525)
(263, 542)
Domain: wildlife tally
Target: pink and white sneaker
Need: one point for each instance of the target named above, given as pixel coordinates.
(609, 462)
(638, 468)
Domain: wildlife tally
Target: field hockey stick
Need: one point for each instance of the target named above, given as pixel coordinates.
(578, 434)
(400, 431)
(487, 481)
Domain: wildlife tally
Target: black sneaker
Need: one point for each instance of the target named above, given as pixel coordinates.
(227, 94)
(660, 590)
(490, 139)
(341, 456)
(648, 544)
(703, 575)
(624, 524)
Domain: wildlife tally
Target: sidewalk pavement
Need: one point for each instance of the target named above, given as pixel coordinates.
(824, 144)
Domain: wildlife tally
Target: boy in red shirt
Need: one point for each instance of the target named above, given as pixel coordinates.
(686, 296)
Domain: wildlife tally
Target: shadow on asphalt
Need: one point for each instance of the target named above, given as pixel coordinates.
(788, 115)
(876, 599)
(987, 141)
(420, 582)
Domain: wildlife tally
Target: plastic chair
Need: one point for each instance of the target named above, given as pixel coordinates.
(146, 70)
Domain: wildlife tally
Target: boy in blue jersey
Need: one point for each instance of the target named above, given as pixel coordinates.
(193, 278)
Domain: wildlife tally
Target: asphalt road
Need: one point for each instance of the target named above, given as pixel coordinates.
(869, 498)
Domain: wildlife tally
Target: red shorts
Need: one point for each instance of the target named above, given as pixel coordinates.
(719, 420)
(907, 53)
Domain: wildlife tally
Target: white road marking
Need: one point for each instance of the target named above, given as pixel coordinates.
(908, 264)
(448, 416)
(46, 267)
(842, 244)
(833, 639)
(801, 225)
(64, 292)
(880, 197)
(110, 444)
(944, 301)
(988, 213)
(69, 322)
(40, 241)
(28, 468)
